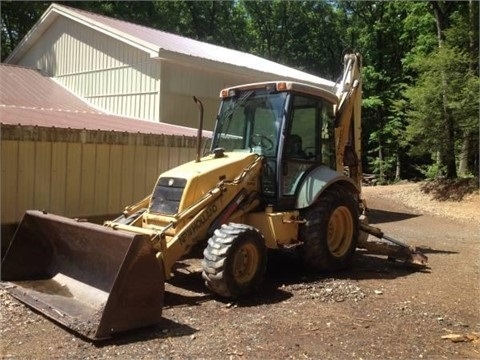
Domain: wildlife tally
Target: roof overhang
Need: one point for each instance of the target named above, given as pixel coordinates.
(198, 62)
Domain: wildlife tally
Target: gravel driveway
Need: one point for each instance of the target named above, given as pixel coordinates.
(376, 310)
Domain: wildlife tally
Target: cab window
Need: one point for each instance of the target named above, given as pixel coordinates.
(308, 139)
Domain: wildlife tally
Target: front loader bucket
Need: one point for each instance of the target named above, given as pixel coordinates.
(92, 279)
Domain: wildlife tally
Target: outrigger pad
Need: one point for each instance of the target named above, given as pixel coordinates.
(92, 279)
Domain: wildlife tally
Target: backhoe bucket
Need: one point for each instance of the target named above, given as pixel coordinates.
(92, 279)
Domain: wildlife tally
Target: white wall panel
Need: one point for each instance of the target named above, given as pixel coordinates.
(180, 82)
(109, 74)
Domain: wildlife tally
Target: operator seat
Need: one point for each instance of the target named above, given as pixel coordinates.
(293, 170)
(293, 147)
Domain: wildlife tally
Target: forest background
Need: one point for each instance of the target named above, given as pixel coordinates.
(421, 88)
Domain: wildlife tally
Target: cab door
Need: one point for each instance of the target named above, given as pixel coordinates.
(308, 142)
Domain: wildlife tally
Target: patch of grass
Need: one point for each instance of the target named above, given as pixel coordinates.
(450, 189)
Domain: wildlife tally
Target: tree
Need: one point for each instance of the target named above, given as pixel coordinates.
(302, 34)
(217, 22)
(444, 99)
(378, 30)
(465, 21)
(17, 18)
(441, 12)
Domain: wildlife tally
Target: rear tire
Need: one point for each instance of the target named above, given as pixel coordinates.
(235, 260)
(331, 231)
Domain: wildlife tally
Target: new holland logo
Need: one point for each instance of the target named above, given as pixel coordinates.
(198, 224)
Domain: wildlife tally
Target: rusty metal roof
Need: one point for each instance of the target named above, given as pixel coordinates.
(163, 45)
(27, 97)
(29, 88)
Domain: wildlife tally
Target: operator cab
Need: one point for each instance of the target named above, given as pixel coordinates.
(290, 124)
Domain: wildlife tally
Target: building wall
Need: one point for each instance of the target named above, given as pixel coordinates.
(123, 80)
(109, 74)
(181, 81)
(80, 173)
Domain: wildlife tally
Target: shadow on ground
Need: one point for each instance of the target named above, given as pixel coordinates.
(376, 216)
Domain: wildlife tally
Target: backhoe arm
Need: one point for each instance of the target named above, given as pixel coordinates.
(348, 134)
(395, 250)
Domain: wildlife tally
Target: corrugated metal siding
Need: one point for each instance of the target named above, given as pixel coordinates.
(109, 74)
(86, 173)
(131, 91)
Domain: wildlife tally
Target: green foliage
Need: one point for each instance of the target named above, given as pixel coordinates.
(445, 82)
(17, 18)
(432, 171)
(301, 34)
(380, 31)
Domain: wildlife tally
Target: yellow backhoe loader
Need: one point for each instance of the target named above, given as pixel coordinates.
(283, 170)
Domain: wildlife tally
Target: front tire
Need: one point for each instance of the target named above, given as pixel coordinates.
(331, 231)
(234, 260)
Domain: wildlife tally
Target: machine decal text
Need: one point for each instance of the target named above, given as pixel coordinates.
(198, 223)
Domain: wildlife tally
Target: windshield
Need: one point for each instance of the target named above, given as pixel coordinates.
(250, 121)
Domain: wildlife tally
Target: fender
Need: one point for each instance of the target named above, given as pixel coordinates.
(316, 181)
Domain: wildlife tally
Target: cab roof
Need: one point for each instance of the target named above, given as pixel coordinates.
(287, 86)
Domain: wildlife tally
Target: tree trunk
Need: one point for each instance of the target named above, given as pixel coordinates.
(469, 156)
(449, 147)
(398, 167)
(463, 169)
(381, 172)
(448, 151)
(439, 162)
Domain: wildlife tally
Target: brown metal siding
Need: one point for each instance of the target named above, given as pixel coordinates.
(28, 88)
(85, 173)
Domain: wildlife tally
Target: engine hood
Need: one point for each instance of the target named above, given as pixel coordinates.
(180, 187)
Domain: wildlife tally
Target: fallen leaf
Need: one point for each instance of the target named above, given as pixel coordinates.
(462, 338)
(455, 337)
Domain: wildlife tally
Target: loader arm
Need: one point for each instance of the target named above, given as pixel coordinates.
(195, 222)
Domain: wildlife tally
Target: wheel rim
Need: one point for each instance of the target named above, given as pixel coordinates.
(245, 263)
(340, 231)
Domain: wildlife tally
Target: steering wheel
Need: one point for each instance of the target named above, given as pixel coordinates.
(262, 141)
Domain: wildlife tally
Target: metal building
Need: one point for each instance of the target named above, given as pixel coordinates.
(59, 154)
(139, 72)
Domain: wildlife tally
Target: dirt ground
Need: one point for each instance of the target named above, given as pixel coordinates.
(376, 310)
